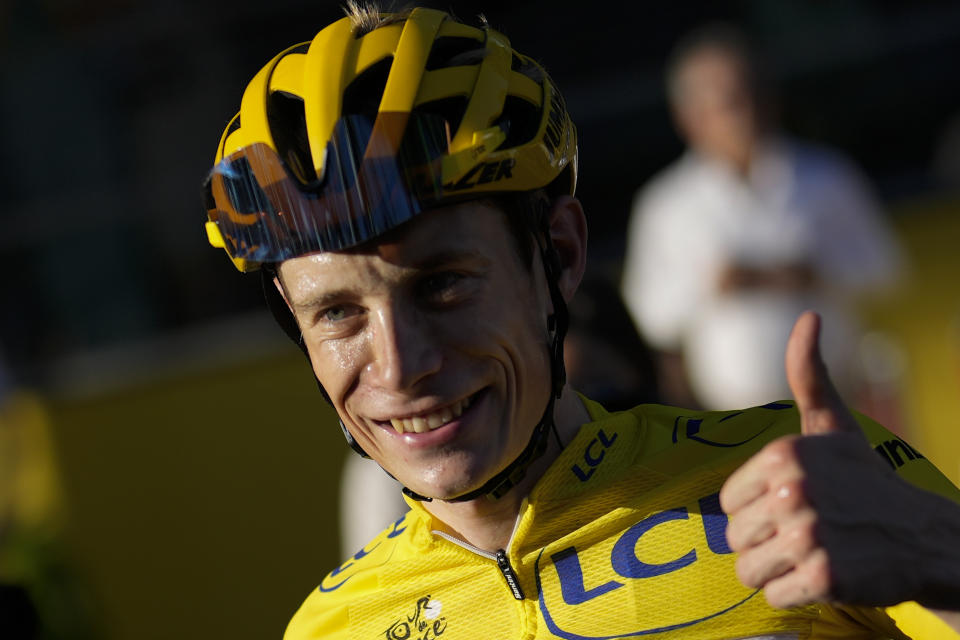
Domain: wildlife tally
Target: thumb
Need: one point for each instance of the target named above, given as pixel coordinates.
(821, 408)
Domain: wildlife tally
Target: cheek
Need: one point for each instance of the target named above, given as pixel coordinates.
(523, 323)
(510, 327)
(528, 348)
(337, 365)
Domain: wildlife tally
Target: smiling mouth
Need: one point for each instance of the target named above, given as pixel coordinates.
(434, 420)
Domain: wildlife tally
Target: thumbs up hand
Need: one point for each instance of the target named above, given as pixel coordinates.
(822, 411)
(819, 517)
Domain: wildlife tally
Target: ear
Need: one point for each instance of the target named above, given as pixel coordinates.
(279, 305)
(283, 294)
(568, 231)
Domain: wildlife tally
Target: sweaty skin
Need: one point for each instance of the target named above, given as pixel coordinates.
(433, 347)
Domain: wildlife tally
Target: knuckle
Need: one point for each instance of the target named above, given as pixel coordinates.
(789, 496)
(750, 532)
(802, 534)
(780, 452)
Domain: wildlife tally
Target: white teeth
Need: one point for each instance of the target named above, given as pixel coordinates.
(430, 421)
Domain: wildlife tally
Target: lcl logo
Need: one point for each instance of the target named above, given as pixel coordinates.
(672, 551)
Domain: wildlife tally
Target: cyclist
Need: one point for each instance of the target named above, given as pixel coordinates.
(404, 184)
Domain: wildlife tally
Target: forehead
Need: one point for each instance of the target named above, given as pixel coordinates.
(475, 230)
(711, 68)
(476, 225)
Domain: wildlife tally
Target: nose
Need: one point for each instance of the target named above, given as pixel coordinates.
(405, 350)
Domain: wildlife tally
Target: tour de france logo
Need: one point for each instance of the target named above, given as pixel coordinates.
(425, 623)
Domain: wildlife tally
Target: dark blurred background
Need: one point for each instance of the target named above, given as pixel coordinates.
(191, 451)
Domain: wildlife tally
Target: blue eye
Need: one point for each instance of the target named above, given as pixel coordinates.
(335, 314)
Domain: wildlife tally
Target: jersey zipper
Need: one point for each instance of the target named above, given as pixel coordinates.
(504, 563)
(500, 557)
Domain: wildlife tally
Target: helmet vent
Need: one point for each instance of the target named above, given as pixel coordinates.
(454, 52)
(527, 67)
(450, 109)
(521, 121)
(363, 95)
(234, 125)
(288, 124)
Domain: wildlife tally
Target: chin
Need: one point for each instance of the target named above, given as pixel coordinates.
(448, 491)
(449, 488)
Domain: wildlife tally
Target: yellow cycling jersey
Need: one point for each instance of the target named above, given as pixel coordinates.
(623, 537)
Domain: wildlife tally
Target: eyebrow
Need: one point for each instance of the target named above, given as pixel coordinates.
(451, 256)
(326, 298)
(429, 262)
(313, 299)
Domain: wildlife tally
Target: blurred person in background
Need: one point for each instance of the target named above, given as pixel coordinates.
(18, 615)
(748, 228)
(40, 597)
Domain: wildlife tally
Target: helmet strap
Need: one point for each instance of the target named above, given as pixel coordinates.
(353, 443)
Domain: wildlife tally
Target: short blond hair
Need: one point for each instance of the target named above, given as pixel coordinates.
(367, 15)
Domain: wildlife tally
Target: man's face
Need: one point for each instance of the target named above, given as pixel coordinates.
(716, 109)
(431, 345)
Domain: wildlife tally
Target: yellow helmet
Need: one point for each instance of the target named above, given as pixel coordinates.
(347, 136)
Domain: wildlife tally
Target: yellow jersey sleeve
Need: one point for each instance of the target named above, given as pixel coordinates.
(920, 623)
